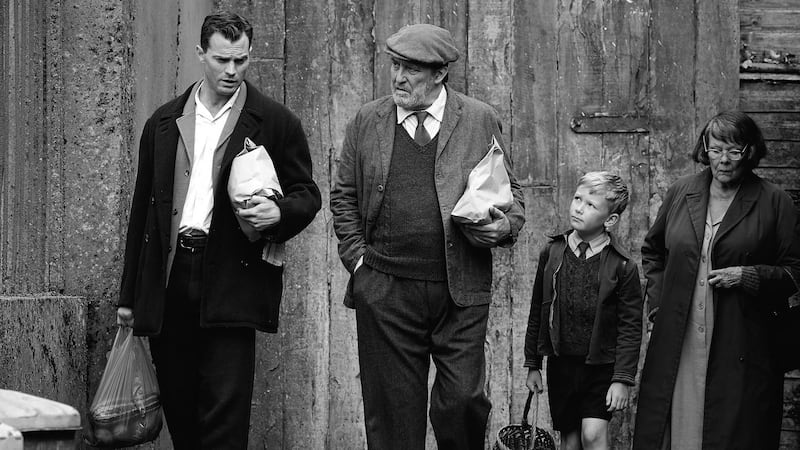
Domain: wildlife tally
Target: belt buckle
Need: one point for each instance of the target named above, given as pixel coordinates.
(184, 246)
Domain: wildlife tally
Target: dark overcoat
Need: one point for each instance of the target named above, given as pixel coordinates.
(240, 289)
(744, 382)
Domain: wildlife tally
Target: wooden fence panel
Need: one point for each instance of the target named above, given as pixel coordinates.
(306, 312)
(352, 85)
(534, 150)
(655, 68)
(489, 79)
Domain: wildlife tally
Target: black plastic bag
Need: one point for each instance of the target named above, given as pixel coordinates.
(126, 410)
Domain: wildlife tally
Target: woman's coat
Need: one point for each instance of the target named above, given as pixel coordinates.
(744, 382)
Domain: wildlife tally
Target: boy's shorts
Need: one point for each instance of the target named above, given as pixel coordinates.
(576, 391)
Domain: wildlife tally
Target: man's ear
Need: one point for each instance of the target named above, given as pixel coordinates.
(611, 220)
(200, 53)
(438, 76)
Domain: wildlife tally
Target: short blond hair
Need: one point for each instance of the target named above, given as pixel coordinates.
(615, 190)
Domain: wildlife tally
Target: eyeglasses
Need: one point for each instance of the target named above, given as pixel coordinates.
(716, 153)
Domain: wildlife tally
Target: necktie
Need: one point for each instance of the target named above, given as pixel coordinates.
(582, 247)
(421, 136)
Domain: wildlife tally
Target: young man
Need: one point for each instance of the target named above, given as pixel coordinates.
(192, 280)
(586, 317)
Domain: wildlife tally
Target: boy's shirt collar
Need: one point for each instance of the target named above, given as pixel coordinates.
(596, 245)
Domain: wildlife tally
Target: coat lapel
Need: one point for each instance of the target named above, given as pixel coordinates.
(247, 125)
(452, 114)
(186, 124)
(742, 203)
(386, 124)
(697, 204)
(164, 151)
(227, 131)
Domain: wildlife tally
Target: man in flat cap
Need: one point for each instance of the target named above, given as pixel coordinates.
(420, 284)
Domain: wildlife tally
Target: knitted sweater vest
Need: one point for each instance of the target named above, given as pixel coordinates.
(408, 239)
(578, 290)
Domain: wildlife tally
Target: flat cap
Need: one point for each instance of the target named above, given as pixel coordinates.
(423, 43)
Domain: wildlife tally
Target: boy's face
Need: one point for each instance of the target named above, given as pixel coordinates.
(589, 213)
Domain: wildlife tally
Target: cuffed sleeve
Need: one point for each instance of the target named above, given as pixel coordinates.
(750, 281)
(629, 325)
(532, 357)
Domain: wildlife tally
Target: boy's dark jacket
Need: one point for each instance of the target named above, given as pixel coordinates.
(617, 330)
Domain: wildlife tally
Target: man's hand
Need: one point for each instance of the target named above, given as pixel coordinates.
(534, 381)
(124, 316)
(725, 278)
(490, 234)
(261, 213)
(617, 397)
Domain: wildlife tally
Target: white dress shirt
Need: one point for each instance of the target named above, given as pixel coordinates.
(432, 123)
(200, 195)
(596, 245)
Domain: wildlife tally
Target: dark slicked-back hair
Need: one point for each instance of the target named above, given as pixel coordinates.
(229, 25)
(732, 127)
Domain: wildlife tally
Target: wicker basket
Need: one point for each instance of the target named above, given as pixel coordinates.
(522, 436)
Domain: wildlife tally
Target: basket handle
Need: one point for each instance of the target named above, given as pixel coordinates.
(528, 408)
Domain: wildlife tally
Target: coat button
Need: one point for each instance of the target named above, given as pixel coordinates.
(450, 244)
(186, 173)
(152, 200)
(147, 237)
(169, 249)
(380, 188)
(175, 212)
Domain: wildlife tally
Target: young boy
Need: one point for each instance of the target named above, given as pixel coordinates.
(586, 317)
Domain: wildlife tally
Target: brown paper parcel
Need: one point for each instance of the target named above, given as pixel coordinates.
(253, 173)
(488, 185)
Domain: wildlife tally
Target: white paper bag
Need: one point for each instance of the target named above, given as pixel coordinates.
(488, 185)
(253, 173)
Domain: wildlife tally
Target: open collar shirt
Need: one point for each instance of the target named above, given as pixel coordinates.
(200, 196)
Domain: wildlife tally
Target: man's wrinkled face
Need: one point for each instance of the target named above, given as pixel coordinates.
(224, 64)
(414, 86)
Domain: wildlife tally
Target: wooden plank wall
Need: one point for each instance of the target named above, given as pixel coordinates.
(769, 90)
(667, 65)
(540, 64)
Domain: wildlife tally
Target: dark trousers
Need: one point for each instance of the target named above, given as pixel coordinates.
(205, 374)
(403, 324)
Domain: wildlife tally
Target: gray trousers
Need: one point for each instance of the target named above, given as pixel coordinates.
(402, 325)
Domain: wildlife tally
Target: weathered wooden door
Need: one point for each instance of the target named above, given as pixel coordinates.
(769, 91)
(580, 85)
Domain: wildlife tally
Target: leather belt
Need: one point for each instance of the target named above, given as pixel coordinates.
(193, 240)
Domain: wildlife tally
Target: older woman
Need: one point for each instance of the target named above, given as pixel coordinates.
(721, 260)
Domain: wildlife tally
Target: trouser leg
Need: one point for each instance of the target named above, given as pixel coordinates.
(393, 357)
(459, 405)
(205, 375)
